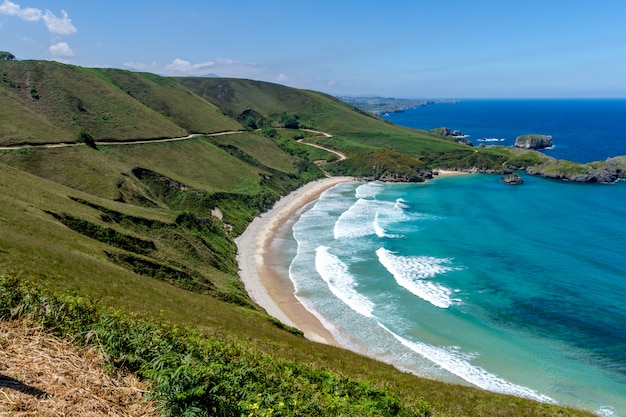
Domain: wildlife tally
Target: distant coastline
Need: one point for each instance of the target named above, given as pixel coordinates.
(383, 106)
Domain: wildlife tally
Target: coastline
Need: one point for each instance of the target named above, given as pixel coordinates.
(268, 288)
(271, 289)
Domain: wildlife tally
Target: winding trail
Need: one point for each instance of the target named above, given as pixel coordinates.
(341, 155)
(160, 140)
(109, 143)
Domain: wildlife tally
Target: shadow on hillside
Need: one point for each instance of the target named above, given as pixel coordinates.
(14, 384)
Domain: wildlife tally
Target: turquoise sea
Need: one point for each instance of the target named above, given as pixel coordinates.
(514, 289)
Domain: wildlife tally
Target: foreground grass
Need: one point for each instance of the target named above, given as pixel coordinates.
(192, 374)
(202, 373)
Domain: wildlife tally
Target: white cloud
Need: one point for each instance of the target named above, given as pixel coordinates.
(139, 66)
(12, 9)
(221, 67)
(58, 25)
(61, 50)
(182, 67)
(27, 40)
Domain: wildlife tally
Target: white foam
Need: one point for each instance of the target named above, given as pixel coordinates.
(357, 221)
(368, 190)
(412, 273)
(380, 232)
(340, 282)
(401, 204)
(606, 411)
(367, 217)
(459, 364)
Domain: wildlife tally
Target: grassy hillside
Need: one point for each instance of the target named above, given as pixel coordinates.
(147, 229)
(48, 102)
(371, 140)
(75, 98)
(170, 99)
(23, 124)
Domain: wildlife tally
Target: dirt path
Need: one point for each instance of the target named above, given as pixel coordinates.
(341, 156)
(109, 143)
(158, 140)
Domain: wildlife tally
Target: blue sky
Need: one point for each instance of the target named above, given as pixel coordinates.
(411, 49)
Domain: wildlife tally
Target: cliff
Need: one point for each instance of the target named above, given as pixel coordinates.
(533, 141)
(608, 171)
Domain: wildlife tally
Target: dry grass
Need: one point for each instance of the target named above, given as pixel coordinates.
(41, 375)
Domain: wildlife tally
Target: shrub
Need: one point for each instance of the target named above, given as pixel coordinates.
(86, 138)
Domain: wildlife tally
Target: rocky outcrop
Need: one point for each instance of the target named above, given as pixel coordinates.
(512, 179)
(454, 135)
(533, 141)
(606, 172)
(395, 177)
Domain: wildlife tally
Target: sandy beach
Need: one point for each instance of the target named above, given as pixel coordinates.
(270, 289)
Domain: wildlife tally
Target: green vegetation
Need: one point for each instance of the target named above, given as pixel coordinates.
(196, 375)
(6, 56)
(86, 138)
(134, 242)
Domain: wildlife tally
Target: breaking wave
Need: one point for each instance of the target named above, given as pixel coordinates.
(340, 282)
(413, 273)
(459, 364)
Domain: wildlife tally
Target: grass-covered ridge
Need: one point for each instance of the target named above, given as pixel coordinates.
(147, 229)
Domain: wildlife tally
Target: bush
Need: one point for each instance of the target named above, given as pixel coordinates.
(86, 138)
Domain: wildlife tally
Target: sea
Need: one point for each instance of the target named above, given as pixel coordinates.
(514, 289)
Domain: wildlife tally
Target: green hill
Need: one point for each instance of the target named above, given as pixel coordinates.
(134, 227)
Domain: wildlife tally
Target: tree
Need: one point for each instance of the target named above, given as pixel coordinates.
(289, 120)
(6, 56)
(87, 139)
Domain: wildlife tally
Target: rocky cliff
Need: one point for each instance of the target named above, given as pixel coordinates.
(608, 171)
(533, 141)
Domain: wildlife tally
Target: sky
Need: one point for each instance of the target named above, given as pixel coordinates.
(399, 48)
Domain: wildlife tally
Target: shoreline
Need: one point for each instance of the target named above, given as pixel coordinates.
(268, 288)
(271, 289)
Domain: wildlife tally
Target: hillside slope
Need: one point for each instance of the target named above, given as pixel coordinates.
(51, 102)
(369, 141)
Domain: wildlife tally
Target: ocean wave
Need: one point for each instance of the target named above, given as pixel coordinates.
(459, 364)
(368, 217)
(606, 411)
(340, 282)
(368, 190)
(357, 221)
(412, 273)
(401, 203)
(378, 229)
